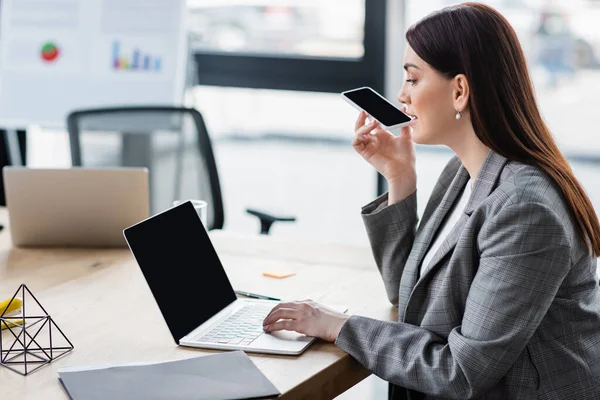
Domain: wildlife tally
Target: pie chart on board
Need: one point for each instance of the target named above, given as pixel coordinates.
(50, 52)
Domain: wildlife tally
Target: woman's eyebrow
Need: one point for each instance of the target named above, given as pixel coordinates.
(410, 65)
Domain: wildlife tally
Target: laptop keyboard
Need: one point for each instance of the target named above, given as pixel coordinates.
(240, 328)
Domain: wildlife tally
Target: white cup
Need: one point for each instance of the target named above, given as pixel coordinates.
(201, 208)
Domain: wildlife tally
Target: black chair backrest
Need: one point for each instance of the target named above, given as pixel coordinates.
(134, 125)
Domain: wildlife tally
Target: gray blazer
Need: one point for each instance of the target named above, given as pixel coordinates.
(509, 307)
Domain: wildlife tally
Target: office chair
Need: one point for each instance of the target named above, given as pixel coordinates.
(161, 138)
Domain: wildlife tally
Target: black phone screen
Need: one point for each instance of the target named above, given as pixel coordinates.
(377, 107)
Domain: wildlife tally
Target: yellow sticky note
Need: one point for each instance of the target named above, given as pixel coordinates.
(278, 274)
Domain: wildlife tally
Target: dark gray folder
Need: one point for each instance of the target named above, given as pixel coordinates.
(221, 376)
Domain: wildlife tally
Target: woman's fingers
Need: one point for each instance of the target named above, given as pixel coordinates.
(377, 131)
(285, 316)
(360, 121)
(283, 325)
(282, 319)
(282, 313)
(360, 142)
(366, 130)
(364, 135)
(360, 128)
(279, 306)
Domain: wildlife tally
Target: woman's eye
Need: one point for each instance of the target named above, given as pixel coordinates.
(411, 81)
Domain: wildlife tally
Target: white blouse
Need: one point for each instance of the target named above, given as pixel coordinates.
(447, 225)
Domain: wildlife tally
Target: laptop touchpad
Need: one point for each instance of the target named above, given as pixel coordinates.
(287, 335)
(284, 342)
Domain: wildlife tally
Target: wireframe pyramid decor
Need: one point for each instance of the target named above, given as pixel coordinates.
(29, 337)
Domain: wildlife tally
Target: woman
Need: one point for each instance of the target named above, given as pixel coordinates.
(496, 289)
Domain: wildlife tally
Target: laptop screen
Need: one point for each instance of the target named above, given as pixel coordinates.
(181, 267)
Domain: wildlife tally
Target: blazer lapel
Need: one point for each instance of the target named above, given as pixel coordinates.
(482, 187)
(427, 230)
(447, 245)
(433, 225)
(486, 181)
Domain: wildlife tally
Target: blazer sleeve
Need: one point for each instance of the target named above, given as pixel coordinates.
(391, 231)
(525, 255)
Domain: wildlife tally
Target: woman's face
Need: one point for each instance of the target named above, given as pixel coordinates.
(428, 96)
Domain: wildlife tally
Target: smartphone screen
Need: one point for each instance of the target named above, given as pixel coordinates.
(377, 107)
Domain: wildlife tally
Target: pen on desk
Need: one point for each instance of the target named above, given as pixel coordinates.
(255, 296)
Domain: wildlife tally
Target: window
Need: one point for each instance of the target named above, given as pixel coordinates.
(314, 28)
(309, 45)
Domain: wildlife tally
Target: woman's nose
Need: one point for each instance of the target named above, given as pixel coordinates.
(403, 97)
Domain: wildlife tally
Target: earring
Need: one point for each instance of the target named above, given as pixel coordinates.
(458, 115)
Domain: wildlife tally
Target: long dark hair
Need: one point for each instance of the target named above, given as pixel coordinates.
(476, 40)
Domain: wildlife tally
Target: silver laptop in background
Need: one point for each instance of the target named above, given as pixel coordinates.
(74, 207)
(193, 292)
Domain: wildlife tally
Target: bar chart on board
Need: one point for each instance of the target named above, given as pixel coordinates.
(134, 59)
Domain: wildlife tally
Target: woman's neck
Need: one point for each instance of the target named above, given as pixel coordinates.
(472, 153)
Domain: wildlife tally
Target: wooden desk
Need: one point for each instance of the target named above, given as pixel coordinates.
(101, 301)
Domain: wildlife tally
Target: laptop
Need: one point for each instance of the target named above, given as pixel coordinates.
(74, 207)
(193, 292)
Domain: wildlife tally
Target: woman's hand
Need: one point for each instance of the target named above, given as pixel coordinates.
(392, 156)
(306, 317)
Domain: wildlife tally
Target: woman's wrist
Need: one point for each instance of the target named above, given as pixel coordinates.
(338, 328)
(401, 188)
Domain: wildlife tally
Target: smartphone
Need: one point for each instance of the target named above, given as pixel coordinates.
(377, 106)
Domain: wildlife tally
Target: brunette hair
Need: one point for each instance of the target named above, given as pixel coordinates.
(476, 40)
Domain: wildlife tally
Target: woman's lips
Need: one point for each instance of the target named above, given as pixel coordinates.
(413, 120)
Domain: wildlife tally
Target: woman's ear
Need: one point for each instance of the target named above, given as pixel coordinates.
(460, 92)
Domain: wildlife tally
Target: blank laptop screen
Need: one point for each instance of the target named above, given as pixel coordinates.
(181, 267)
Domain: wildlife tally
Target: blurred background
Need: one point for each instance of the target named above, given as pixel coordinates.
(289, 150)
(267, 79)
